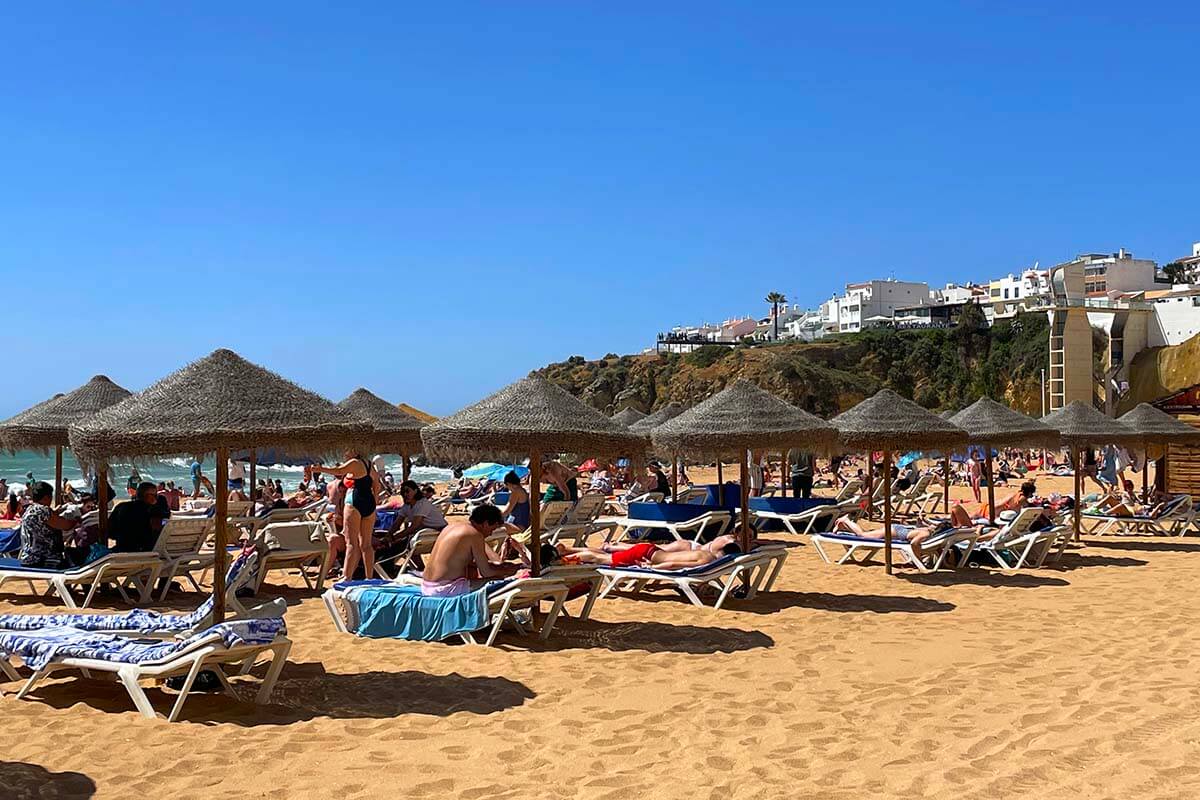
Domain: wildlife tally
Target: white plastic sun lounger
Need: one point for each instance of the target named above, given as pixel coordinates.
(580, 521)
(137, 571)
(861, 549)
(180, 545)
(756, 570)
(147, 624)
(708, 525)
(296, 545)
(1176, 519)
(504, 602)
(205, 650)
(1016, 546)
(802, 522)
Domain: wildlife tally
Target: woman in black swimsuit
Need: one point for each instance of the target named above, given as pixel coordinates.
(359, 512)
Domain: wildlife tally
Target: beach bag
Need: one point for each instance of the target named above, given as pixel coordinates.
(96, 552)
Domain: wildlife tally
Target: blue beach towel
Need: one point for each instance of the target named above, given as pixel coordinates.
(402, 612)
(39, 648)
(139, 620)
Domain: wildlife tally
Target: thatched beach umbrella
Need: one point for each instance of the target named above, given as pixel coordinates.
(739, 419)
(1080, 425)
(628, 416)
(1156, 427)
(395, 431)
(216, 404)
(988, 423)
(889, 422)
(534, 418)
(647, 423)
(45, 426)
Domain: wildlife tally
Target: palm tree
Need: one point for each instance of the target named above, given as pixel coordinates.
(775, 298)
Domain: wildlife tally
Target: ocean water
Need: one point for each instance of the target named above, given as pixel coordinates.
(15, 467)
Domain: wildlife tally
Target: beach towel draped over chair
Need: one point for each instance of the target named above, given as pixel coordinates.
(392, 617)
(144, 622)
(130, 660)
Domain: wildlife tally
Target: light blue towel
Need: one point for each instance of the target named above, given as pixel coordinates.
(402, 612)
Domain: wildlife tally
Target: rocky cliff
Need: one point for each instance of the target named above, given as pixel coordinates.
(938, 368)
(1161, 371)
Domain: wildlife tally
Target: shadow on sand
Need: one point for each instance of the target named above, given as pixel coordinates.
(1080, 560)
(21, 781)
(307, 691)
(649, 637)
(1155, 546)
(778, 600)
(984, 577)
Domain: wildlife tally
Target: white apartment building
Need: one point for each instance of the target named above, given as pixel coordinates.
(808, 326)
(1117, 272)
(1176, 315)
(1014, 293)
(872, 303)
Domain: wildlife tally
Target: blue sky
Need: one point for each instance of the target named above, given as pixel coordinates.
(432, 199)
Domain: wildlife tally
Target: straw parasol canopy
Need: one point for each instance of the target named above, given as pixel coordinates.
(1154, 426)
(990, 423)
(628, 416)
(668, 412)
(1080, 424)
(531, 416)
(220, 401)
(739, 418)
(394, 430)
(46, 424)
(887, 421)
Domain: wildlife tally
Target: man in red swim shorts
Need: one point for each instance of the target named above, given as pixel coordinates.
(673, 555)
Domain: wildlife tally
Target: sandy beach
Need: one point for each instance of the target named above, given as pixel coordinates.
(1064, 682)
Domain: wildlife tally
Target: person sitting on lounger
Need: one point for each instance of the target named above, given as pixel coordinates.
(516, 512)
(42, 531)
(674, 555)
(1126, 504)
(914, 535)
(460, 550)
(135, 525)
(1014, 502)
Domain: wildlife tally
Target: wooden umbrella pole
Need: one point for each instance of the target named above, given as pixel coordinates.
(871, 484)
(1078, 489)
(1146, 476)
(991, 485)
(785, 475)
(222, 535)
(405, 467)
(887, 513)
(946, 483)
(720, 484)
(57, 475)
(535, 513)
(102, 502)
(675, 479)
(253, 480)
(745, 505)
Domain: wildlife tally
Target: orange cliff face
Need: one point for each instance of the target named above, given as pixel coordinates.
(1161, 371)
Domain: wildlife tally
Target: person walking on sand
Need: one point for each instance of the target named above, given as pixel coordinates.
(362, 493)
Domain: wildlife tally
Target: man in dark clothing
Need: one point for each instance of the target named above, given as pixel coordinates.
(135, 525)
(802, 472)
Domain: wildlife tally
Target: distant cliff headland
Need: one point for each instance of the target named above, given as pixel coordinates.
(938, 368)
